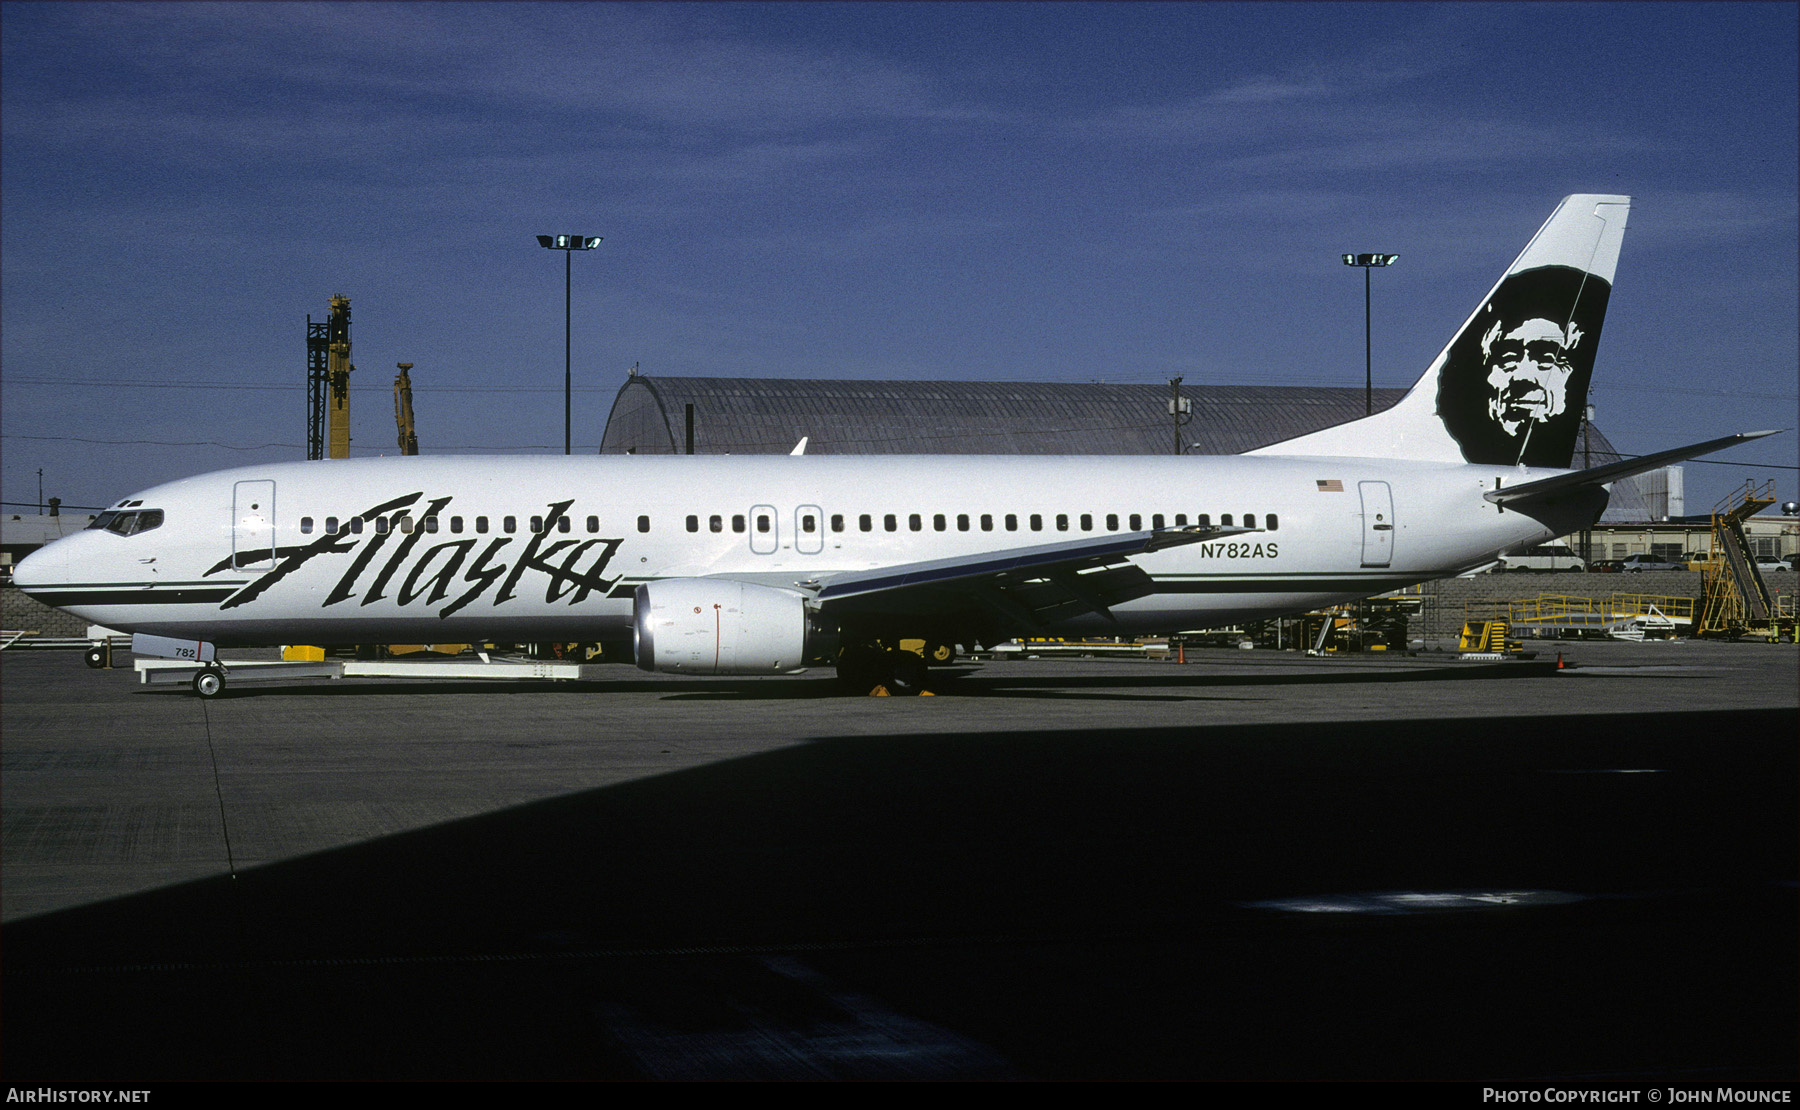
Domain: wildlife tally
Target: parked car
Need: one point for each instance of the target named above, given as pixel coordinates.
(1606, 566)
(1767, 563)
(1553, 556)
(1788, 562)
(1649, 562)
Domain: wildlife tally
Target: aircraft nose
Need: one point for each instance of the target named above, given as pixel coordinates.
(45, 567)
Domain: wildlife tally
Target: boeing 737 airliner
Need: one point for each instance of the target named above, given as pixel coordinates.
(735, 565)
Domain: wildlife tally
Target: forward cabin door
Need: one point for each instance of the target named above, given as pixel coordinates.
(1378, 523)
(253, 525)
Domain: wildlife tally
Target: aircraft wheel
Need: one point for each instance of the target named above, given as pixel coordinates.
(99, 657)
(209, 683)
(940, 654)
(860, 669)
(906, 673)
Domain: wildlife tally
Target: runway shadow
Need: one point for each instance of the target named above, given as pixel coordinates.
(1465, 899)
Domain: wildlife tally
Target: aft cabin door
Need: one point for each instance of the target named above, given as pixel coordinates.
(1378, 523)
(253, 528)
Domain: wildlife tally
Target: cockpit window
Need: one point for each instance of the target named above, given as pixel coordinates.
(128, 523)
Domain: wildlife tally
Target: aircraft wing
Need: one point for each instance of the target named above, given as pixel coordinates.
(1070, 556)
(1612, 472)
(1028, 584)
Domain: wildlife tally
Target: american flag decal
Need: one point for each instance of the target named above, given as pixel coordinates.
(1332, 486)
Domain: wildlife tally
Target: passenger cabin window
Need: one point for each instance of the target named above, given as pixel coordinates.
(356, 526)
(808, 523)
(306, 526)
(737, 522)
(593, 524)
(1225, 521)
(865, 522)
(1137, 522)
(1271, 522)
(456, 525)
(915, 522)
(643, 524)
(563, 524)
(715, 523)
(1062, 522)
(1037, 522)
(987, 522)
(381, 526)
(1203, 520)
(1112, 522)
(331, 526)
(1181, 520)
(431, 524)
(837, 522)
(481, 525)
(1249, 520)
(537, 525)
(1087, 522)
(509, 524)
(762, 523)
(1012, 522)
(693, 524)
(890, 522)
(937, 522)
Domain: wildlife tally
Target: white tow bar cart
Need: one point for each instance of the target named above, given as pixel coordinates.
(209, 678)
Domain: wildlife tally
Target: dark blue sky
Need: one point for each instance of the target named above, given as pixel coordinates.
(1060, 192)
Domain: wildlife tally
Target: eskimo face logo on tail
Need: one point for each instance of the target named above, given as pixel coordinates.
(1515, 383)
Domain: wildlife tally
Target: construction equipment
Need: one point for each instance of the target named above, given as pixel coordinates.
(403, 414)
(1736, 600)
(328, 382)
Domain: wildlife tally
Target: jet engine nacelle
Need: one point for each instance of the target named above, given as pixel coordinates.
(716, 626)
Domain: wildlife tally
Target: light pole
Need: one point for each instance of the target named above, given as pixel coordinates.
(1368, 262)
(567, 244)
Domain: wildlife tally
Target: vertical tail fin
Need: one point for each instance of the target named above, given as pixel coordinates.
(1510, 387)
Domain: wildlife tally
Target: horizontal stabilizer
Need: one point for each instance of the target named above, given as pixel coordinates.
(1612, 472)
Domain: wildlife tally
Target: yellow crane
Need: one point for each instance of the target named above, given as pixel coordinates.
(403, 413)
(328, 383)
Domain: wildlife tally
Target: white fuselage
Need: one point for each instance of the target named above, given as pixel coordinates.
(268, 554)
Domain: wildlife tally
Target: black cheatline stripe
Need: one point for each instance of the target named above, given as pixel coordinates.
(62, 598)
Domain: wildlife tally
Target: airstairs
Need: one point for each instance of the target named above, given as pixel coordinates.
(1735, 598)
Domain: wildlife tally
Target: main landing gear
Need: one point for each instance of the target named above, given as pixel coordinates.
(867, 668)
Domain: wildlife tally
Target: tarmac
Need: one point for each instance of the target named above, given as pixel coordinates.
(1254, 865)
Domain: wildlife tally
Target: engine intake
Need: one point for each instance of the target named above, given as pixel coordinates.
(716, 626)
